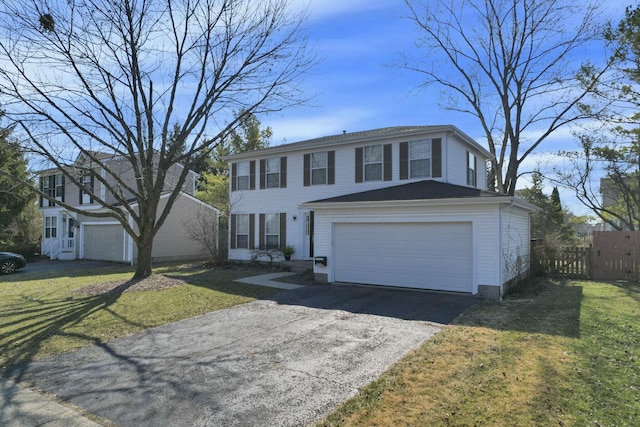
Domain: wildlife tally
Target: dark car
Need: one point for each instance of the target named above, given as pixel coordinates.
(10, 262)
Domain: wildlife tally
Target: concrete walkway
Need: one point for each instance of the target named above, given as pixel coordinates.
(267, 280)
(22, 407)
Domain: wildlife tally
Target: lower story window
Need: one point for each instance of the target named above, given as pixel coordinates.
(272, 231)
(242, 231)
(50, 227)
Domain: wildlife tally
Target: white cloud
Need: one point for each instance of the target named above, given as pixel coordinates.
(299, 128)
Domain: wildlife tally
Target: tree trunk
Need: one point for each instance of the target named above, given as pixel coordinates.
(144, 260)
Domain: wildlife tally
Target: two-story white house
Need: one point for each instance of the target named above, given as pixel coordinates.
(68, 235)
(400, 206)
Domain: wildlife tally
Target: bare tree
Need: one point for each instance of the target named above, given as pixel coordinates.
(509, 63)
(203, 227)
(151, 82)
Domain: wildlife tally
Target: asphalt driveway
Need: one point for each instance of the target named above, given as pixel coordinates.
(286, 361)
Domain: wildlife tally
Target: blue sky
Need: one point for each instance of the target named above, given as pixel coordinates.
(356, 86)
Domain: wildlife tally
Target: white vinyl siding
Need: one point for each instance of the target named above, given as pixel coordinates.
(516, 240)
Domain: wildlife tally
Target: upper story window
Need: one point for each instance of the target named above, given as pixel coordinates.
(52, 186)
(319, 168)
(421, 159)
(273, 172)
(472, 173)
(243, 175)
(86, 191)
(373, 163)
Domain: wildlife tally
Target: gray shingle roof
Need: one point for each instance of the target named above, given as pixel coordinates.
(421, 190)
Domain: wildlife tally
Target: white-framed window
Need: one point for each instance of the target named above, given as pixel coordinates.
(319, 167)
(272, 166)
(87, 187)
(472, 173)
(272, 231)
(50, 227)
(373, 163)
(420, 159)
(59, 187)
(242, 178)
(242, 231)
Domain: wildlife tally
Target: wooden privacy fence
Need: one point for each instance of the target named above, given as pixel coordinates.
(614, 255)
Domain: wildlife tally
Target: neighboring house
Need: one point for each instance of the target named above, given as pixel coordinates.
(399, 206)
(68, 235)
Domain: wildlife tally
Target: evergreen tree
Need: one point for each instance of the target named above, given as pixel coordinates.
(14, 197)
(214, 185)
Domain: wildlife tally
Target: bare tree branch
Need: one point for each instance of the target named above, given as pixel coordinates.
(149, 82)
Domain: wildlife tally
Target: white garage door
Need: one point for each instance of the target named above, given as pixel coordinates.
(103, 242)
(415, 255)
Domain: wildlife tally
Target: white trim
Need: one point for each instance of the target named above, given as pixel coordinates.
(489, 200)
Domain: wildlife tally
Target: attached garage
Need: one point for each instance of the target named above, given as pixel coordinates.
(434, 256)
(423, 235)
(103, 242)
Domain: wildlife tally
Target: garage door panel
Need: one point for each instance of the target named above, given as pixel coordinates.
(418, 255)
(103, 242)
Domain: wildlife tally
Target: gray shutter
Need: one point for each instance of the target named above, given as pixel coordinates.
(359, 163)
(283, 229)
(283, 172)
(263, 174)
(404, 160)
(261, 230)
(331, 170)
(307, 170)
(436, 158)
(232, 231)
(234, 176)
(388, 162)
(252, 175)
(41, 189)
(252, 231)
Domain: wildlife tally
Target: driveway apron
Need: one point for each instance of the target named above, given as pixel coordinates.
(285, 361)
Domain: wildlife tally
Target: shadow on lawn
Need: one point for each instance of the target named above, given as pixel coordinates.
(35, 320)
(542, 307)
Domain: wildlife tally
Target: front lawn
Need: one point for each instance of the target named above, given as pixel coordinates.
(42, 314)
(566, 354)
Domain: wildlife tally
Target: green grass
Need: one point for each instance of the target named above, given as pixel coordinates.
(566, 354)
(41, 315)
